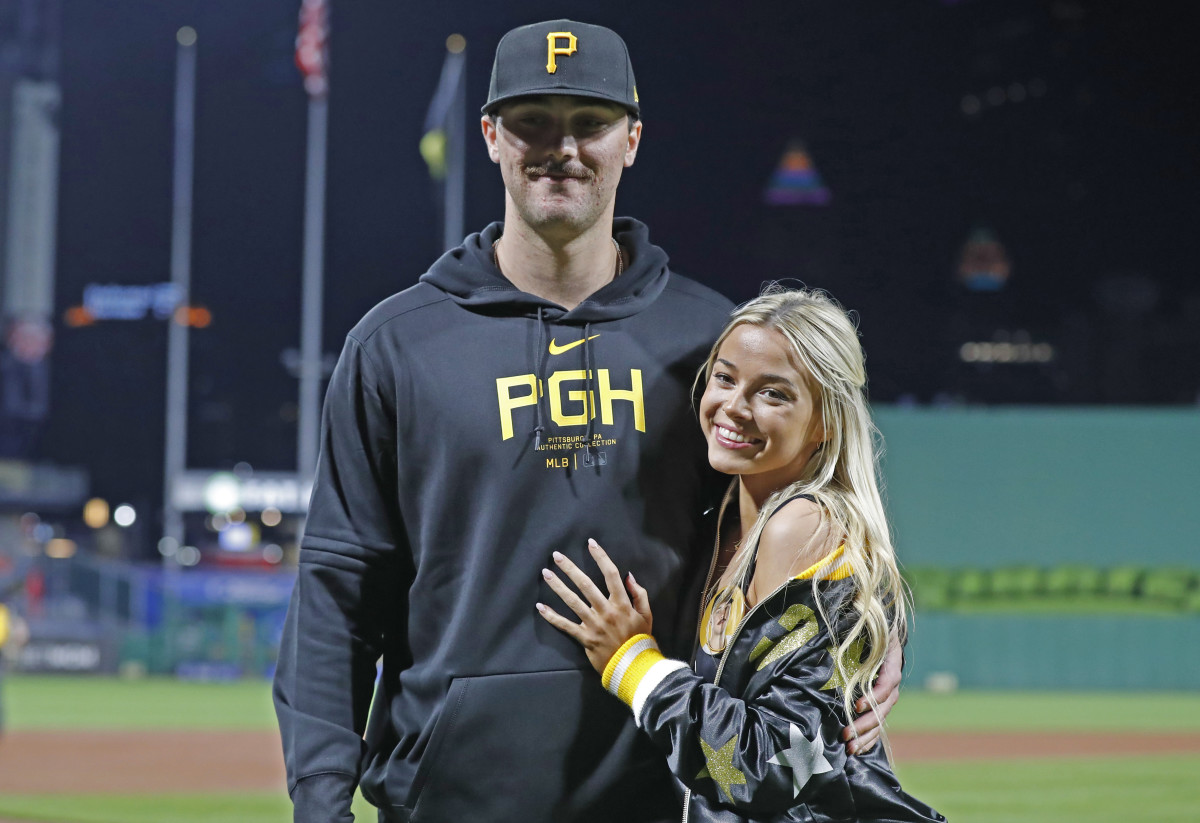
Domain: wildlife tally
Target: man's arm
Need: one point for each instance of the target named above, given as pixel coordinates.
(334, 630)
(862, 735)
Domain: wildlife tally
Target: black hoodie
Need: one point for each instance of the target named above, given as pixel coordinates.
(456, 455)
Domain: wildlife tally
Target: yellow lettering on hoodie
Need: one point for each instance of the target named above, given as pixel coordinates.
(511, 397)
(504, 387)
(556, 399)
(633, 394)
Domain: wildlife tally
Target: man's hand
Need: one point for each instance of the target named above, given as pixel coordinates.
(863, 733)
(607, 622)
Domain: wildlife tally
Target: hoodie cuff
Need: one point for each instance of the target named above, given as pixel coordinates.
(324, 798)
(635, 670)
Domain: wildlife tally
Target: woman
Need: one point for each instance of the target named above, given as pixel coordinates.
(806, 590)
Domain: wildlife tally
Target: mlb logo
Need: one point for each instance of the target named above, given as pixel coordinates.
(595, 458)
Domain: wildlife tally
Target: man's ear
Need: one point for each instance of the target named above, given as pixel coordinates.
(635, 140)
(488, 125)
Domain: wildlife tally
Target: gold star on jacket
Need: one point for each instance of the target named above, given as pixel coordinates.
(719, 766)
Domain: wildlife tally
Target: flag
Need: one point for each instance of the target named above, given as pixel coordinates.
(796, 181)
(312, 53)
(448, 100)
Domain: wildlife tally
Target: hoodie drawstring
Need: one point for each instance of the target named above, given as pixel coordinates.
(540, 361)
(589, 363)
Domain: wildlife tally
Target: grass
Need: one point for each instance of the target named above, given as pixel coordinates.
(1047, 711)
(251, 807)
(247, 807)
(1098, 790)
(97, 703)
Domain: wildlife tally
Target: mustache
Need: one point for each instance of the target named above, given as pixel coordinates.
(559, 170)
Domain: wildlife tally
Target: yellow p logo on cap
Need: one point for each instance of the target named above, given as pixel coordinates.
(553, 49)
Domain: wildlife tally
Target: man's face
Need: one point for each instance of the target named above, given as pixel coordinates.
(561, 157)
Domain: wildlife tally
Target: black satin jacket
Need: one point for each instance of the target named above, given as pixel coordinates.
(762, 742)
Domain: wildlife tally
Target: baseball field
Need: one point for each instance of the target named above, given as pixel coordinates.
(163, 751)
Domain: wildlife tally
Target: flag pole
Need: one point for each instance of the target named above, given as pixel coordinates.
(456, 148)
(311, 57)
(314, 282)
(175, 452)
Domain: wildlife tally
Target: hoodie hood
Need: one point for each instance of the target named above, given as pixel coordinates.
(468, 274)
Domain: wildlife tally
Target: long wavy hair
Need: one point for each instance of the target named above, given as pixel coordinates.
(842, 476)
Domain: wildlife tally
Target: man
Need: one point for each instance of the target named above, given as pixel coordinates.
(14, 632)
(530, 392)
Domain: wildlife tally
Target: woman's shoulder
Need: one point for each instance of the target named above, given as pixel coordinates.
(793, 514)
(796, 537)
(798, 532)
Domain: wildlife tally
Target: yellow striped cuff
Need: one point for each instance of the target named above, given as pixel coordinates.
(635, 670)
(623, 658)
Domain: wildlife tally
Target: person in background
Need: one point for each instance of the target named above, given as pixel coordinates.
(14, 632)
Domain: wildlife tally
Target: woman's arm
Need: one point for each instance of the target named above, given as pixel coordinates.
(755, 757)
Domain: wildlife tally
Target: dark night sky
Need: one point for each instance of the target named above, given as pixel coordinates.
(1093, 180)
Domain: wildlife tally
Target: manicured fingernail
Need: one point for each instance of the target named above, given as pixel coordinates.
(630, 576)
(852, 748)
(546, 573)
(593, 543)
(558, 558)
(541, 608)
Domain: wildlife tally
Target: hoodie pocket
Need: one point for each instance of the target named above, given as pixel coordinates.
(541, 746)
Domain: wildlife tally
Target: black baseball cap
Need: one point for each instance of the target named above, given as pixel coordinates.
(562, 57)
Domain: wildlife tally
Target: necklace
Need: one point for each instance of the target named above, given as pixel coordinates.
(616, 245)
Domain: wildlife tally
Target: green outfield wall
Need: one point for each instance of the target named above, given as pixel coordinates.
(993, 487)
(1046, 488)
(1054, 652)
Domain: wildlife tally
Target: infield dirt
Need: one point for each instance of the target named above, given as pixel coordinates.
(42, 762)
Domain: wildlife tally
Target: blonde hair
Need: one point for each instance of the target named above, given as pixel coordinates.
(841, 476)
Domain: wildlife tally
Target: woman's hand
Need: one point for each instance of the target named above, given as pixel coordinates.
(607, 621)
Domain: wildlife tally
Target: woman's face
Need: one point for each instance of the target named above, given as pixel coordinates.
(759, 413)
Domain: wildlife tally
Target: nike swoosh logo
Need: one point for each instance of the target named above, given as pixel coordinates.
(556, 349)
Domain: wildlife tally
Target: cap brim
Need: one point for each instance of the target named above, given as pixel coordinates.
(491, 106)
